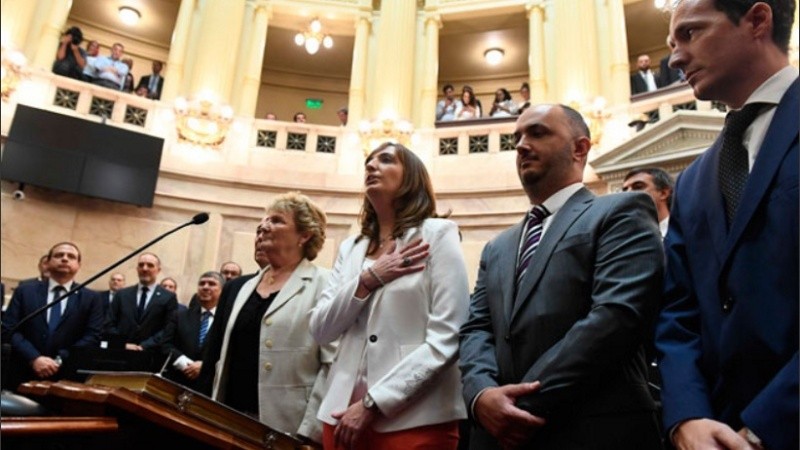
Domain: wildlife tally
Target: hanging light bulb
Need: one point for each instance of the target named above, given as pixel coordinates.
(327, 42)
(316, 26)
(299, 39)
(312, 45)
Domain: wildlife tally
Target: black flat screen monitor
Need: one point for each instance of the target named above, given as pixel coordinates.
(69, 154)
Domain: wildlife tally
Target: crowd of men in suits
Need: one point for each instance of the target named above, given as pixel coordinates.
(141, 317)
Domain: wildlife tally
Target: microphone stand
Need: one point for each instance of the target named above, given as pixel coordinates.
(197, 219)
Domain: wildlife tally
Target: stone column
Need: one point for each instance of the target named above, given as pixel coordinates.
(431, 77)
(174, 74)
(391, 96)
(46, 40)
(251, 83)
(575, 49)
(15, 22)
(218, 39)
(619, 91)
(536, 51)
(358, 72)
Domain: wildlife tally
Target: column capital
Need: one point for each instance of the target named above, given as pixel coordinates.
(261, 5)
(534, 5)
(434, 18)
(363, 18)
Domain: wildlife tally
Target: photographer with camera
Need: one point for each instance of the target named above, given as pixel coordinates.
(70, 57)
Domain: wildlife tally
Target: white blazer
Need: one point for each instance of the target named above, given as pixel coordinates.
(409, 328)
(292, 367)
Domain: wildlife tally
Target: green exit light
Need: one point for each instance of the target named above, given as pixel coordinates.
(313, 103)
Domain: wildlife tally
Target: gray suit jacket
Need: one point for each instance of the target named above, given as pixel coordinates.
(584, 308)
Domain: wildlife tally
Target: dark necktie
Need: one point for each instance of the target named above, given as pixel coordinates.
(733, 165)
(533, 233)
(55, 311)
(142, 301)
(204, 321)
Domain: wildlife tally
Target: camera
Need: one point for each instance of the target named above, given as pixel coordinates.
(19, 195)
(77, 35)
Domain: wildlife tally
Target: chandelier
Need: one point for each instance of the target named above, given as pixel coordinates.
(312, 38)
(202, 120)
(13, 64)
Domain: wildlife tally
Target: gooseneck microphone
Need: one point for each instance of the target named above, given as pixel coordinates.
(196, 220)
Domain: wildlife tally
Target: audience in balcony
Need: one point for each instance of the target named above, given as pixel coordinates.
(525, 93)
(299, 117)
(503, 105)
(271, 116)
(92, 50)
(446, 107)
(153, 82)
(128, 84)
(110, 70)
(468, 107)
(644, 80)
(70, 57)
(477, 100)
(342, 115)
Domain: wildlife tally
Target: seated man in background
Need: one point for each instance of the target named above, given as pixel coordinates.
(230, 270)
(139, 314)
(41, 345)
(186, 333)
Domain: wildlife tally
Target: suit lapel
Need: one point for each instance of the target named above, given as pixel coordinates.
(781, 133)
(294, 286)
(508, 247)
(564, 218)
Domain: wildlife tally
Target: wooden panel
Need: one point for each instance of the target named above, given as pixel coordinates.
(34, 426)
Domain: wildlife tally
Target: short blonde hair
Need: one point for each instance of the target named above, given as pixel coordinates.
(308, 218)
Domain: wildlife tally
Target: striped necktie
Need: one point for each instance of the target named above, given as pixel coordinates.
(533, 233)
(204, 321)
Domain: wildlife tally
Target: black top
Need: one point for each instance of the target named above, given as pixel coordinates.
(241, 390)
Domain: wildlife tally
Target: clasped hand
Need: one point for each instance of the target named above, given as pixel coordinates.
(496, 411)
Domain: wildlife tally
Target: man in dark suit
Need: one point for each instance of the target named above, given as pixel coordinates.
(728, 330)
(115, 283)
(667, 74)
(552, 354)
(644, 80)
(43, 266)
(140, 313)
(43, 344)
(154, 83)
(187, 333)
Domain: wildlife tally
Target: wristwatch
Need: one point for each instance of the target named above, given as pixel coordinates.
(369, 403)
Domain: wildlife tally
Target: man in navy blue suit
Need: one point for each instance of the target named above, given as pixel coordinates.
(41, 345)
(728, 330)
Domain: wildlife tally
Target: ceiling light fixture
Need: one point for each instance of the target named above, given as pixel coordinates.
(494, 56)
(129, 16)
(313, 38)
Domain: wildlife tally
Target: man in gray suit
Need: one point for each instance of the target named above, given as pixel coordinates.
(552, 355)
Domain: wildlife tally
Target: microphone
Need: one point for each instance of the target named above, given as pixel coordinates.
(200, 218)
(196, 220)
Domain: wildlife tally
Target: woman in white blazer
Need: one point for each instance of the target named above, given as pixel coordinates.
(270, 366)
(396, 298)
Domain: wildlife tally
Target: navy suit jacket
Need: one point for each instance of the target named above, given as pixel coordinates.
(728, 331)
(81, 322)
(149, 332)
(145, 81)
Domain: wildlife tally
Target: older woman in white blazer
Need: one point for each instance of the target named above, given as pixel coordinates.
(269, 365)
(396, 298)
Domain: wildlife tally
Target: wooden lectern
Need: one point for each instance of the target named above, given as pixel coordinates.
(136, 410)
